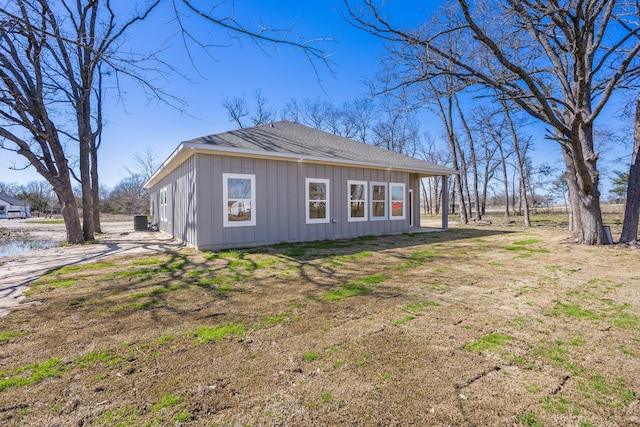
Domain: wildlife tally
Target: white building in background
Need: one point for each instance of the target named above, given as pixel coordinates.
(11, 208)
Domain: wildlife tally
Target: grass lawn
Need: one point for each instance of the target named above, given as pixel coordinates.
(492, 325)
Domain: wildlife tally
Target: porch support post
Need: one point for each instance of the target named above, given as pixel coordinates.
(445, 202)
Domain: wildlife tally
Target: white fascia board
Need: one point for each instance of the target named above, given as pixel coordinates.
(167, 166)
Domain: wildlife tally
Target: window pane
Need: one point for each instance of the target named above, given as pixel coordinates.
(239, 210)
(317, 191)
(379, 192)
(357, 209)
(377, 209)
(397, 193)
(317, 210)
(239, 188)
(396, 208)
(357, 192)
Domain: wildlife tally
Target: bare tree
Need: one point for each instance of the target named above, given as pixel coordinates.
(472, 160)
(400, 64)
(355, 119)
(488, 134)
(53, 58)
(129, 196)
(520, 147)
(316, 113)
(145, 164)
(431, 187)
(221, 15)
(358, 118)
(261, 113)
(397, 128)
(239, 111)
(291, 111)
(48, 63)
(632, 205)
(442, 98)
(9, 188)
(558, 61)
(39, 195)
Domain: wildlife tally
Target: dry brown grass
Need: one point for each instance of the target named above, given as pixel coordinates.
(492, 325)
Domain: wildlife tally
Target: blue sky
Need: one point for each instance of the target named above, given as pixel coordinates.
(237, 67)
(240, 67)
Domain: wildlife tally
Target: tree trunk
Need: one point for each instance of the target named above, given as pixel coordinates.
(426, 196)
(584, 197)
(438, 195)
(632, 206)
(95, 190)
(521, 153)
(465, 193)
(513, 195)
(525, 201)
(455, 150)
(505, 179)
(69, 211)
(474, 163)
(464, 216)
(85, 181)
(452, 199)
(485, 182)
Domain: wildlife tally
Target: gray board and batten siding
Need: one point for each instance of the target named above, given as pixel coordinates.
(281, 156)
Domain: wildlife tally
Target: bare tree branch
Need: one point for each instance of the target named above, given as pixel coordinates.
(559, 62)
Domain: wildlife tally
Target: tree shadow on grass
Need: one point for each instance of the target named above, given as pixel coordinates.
(307, 251)
(324, 265)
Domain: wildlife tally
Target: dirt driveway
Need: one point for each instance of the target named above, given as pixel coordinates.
(18, 270)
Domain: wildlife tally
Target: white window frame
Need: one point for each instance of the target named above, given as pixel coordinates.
(404, 200)
(326, 182)
(163, 204)
(365, 201)
(225, 202)
(385, 201)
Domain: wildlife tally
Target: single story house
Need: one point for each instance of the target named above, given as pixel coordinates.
(18, 208)
(285, 182)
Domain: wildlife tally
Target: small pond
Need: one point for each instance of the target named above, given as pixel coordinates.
(14, 246)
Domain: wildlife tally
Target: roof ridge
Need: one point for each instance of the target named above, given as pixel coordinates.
(290, 141)
(293, 138)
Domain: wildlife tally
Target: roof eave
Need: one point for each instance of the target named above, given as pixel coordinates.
(187, 149)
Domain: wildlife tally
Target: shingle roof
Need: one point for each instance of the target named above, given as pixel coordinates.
(292, 141)
(295, 139)
(12, 200)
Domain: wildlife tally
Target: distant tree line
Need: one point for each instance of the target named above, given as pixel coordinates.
(490, 145)
(128, 197)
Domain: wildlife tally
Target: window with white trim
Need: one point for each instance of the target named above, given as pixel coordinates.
(163, 204)
(357, 191)
(239, 199)
(398, 204)
(317, 200)
(378, 200)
